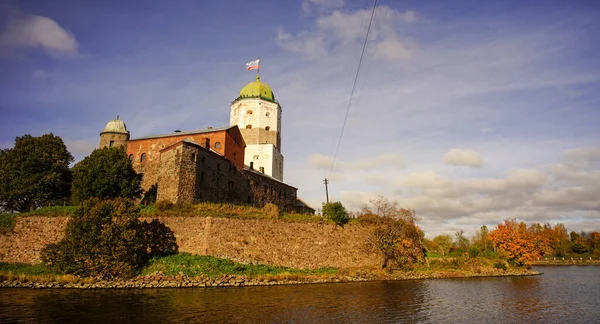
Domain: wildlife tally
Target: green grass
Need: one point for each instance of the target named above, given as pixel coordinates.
(205, 209)
(225, 210)
(196, 265)
(52, 211)
(25, 268)
(7, 222)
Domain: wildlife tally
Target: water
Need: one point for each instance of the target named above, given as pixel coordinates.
(562, 295)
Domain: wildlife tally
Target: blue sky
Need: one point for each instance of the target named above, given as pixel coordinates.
(467, 111)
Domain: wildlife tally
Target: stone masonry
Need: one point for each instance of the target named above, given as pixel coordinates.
(299, 245)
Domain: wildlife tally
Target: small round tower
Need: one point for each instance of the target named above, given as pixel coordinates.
(114, 134)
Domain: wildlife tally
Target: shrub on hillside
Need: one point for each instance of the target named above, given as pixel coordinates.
(395, 237)
(7, 222)
(164, 205)
(369, 218)
(335, 212)
(106, 239)
(158, 238)
(271, 211)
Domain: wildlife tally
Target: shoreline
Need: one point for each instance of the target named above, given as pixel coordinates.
(158, 280)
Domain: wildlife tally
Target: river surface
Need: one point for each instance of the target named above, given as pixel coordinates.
(563, 294)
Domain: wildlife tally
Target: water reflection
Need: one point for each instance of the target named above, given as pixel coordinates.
(560, 295)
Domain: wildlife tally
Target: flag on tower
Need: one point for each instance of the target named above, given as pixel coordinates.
(253, 65)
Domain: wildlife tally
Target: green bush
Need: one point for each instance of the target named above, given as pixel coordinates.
(159, 239)
(335, 212)
(7, 222)
(106, 239)
(164, 205)
(500, 265)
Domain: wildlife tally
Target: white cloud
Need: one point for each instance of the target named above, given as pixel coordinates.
(38, 32)
(427, 179)
(309, 6)
(392, 48)
(320, 161)
(338, 31)
(487, 130)
(466, 157)
(387, 160)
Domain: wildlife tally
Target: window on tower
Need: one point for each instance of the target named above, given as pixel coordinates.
(143, 158)
(248, 126)
(268, 114)
(249, 112)
(217, 144)
(267, 128)
(111, 144)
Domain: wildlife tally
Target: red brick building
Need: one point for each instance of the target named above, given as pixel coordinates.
(200, 165)
(216, 164)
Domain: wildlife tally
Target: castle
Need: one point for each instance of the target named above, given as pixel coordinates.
(241, 163)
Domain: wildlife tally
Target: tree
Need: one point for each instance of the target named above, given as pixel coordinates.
(444, 243)
(106, 173)
(480, 240)
(335, 212)
(395, 236)
(594, 240)
(461, 242)
(578, 243)
(105, 238)
(557, 237)
(34, 173)
(517, 242)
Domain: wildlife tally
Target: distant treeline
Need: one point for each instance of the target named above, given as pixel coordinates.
(518, 242)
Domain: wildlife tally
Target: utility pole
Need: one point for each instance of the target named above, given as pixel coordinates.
(326, 182)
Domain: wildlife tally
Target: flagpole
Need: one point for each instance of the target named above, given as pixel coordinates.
(258, 69)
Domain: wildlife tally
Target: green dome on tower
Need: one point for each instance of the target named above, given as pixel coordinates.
(257, 89)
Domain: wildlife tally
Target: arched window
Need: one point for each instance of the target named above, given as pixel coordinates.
(111, 144)
(249, 112)
(131, 157)
(143, 158)
(217, 144)
(235, 156)
(248, 126)
(267, 128)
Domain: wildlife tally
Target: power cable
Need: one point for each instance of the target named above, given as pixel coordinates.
(354, 86)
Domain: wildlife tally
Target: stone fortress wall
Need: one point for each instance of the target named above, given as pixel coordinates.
(298, 245)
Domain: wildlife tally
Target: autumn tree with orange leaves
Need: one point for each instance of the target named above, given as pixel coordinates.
(518, 243)
(395, 236)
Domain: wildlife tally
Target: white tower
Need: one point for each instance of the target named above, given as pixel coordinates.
(258, 115)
